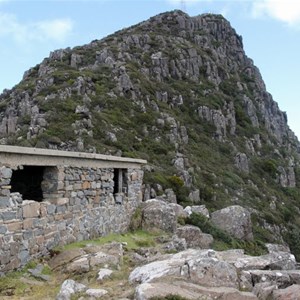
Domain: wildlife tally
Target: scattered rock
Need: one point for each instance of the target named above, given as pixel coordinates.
(104, 273)
(235, 220)
(290, 293)
(190, 291)
(194, 237)
(65, 257)
(69, 288)
(158, 215)
(37, 273)
(96, 293)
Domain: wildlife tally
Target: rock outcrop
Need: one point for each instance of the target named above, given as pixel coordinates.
(236, 220)
(180, 92)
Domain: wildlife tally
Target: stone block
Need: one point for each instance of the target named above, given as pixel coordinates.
(43, 209)
(5, 172)
(28, 223)
(4, 192)
(28, 234)
(3, 229)
(51, 209)
(68, 215)
(60, 185)
(86, 185)
(14, 248)
(7, 187)
(34, 250)
(40, 240)
(69, 187)
(31, 209)
(61, 209)
(73, 194)
(134, 176)
(59, 217)
(77, 186)
(5, 202)
(61, 176)
(13, 264)
(59, 201)
(24, 256)
(4, 181)
(97, 199)
(8, 216)
(14, 226)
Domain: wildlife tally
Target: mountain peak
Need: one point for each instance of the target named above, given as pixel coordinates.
(176, 90)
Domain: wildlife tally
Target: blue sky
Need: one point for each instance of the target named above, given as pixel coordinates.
(29, 30)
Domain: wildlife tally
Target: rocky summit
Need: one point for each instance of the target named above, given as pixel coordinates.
(180, 92)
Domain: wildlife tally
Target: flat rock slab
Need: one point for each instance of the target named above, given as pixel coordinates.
(290, 293)
(190, 291)
(65, 257)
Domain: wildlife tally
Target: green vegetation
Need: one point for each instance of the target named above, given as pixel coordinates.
(133, 240)
(149, 127)
(16, 284)
(222, 240)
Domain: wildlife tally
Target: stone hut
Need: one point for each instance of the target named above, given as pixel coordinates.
(50, 198)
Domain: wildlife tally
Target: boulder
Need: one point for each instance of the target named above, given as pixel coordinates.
(281, 279)
(158, 215)
(171, 265)
(104, 273)
(188, 290)
(198, 266)
(235, 220)
(241, 162)
(68, 288)
(79, 266)
(271, 261)
(199, 209)
(96, 293)
(176, 244)
(194, 237)
(65, 257)
(264, 290)
(194, 196)
(290, 293)
(277, 248)
(179, 211)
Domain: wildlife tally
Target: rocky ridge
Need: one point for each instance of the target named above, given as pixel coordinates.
(180, 92)
(158, 266)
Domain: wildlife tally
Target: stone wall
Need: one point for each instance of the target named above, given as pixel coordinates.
(78, 204)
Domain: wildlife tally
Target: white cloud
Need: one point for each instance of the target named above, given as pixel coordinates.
(186, 2)
(53, 30)
(287, 11)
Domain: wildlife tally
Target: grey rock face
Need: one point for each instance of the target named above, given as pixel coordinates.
(194, 237)
(158, 215)
(241, 162)
(190, 291)
(235, 220)
(290, 293)
(199, 209)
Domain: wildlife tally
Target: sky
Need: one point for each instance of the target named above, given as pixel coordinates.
(30, 30)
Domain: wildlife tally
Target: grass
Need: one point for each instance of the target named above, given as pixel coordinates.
(132, 240)
(16, 284)
(19, 283)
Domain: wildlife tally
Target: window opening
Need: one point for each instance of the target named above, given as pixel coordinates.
(120, 181)
(27, 181)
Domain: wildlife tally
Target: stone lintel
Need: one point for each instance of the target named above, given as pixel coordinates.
(15, 156)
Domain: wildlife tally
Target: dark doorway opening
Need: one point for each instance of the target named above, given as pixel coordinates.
(28, 182)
